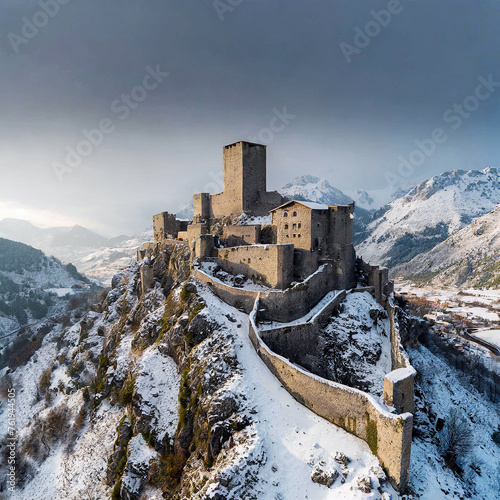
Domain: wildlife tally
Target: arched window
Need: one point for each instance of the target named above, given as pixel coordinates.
(295, 214)
(286, 226)
(285, 214)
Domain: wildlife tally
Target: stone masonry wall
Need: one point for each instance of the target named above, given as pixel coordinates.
(388, 435)
(236, 235)
(299, 341)
(270, 264)
(235, 297)
(398, 384)
(164, 226)
(278, 305)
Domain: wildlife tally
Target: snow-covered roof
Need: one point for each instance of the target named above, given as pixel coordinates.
(309, 204)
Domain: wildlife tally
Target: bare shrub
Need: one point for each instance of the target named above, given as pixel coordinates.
(456, 441)
(56, 423)
(44, 380)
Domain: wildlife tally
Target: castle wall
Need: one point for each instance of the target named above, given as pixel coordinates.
(202, 207)
(235, 297)
(245, 173)
(164, 226)
(342, 258)
(232, 165)
(193, 231)
(341, 225)
(388, 435)
(145, 250)
(267, 201)
(378, 277)
(147, 277)
(277, 305)
(299, 341)
(398, 387)
(236, 235)
(270, 264)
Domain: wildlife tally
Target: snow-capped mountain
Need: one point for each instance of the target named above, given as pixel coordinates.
(186, 211)
(429, 214)
(311, 188)
(94, 255)
(470, 257)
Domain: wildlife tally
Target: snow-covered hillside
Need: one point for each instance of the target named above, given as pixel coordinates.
(442, 393)
(93, 255)
(101, 264)
(429, 214)
(162, 395)
(29, 284)
(469, 258)
(137, 380)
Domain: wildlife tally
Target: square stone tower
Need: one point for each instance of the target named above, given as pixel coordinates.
(244, 174)
(244, 180)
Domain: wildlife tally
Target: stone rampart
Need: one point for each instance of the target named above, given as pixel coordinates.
(277, 305)
(299, 340)
(387, 434)
(398, 384)
(269, 264)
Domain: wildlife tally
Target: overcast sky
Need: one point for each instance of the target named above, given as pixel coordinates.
(344, 105)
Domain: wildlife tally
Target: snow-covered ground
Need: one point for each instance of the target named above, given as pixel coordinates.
(443, 391)
(229, 279)
(157, 385)
(492, 336)
(477, 303)
(363, 343)
(290, 439)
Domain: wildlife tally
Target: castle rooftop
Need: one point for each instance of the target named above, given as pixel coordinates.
(308, 204)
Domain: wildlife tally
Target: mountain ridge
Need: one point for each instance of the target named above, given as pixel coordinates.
(428, 214)
(468, 258)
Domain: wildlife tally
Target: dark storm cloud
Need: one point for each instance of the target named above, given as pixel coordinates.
(227, 79)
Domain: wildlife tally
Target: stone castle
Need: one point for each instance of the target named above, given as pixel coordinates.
(291, 264)
(289, 239)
